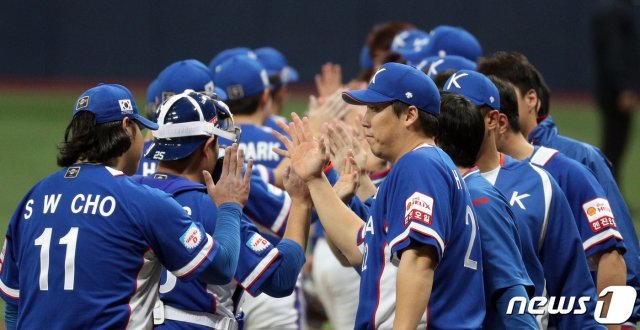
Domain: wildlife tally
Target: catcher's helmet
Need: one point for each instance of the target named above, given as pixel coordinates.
(185, 121)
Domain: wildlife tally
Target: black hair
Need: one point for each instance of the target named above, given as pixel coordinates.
(276, 84)
(428, 122)
(246, 105)
(515, 68)
(508, 102)
(441, 78)
(461, 129)
(99, 143)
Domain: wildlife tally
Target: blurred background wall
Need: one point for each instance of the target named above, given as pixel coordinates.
(136, 39)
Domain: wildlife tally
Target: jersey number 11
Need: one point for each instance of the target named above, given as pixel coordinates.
(44, 241)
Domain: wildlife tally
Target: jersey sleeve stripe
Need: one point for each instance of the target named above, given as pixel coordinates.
(197, 260)
(260, 268)
(9, 292)
(480, 201)
(284, 212)
(548, 194)
(601, 237)
(360, 238)
(422, 229)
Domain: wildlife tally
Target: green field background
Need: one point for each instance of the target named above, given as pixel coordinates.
(32, 123)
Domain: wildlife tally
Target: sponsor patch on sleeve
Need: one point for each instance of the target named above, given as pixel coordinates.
(599, 214)
(419, 207)
(192, 237)
(258, 244)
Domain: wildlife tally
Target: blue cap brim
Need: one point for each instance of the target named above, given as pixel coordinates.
(222, 95)
(173, 151)
(290, 74)
(146, 122)
(365, 96)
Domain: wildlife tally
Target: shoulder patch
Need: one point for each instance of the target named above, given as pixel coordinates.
(258, 244)
(72, 172)
(599, 214)
(192, 237)
(418, 207)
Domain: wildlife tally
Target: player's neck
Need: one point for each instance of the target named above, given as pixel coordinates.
(463, 170)
(408, 144)
(257, 118)
(488, 156)
(516, 146)
(180, 169)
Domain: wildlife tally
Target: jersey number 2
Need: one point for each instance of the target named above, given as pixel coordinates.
(44, 241)
(470, 220)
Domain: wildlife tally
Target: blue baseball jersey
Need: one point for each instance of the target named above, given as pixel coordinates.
(546, 134)
(589, 204)
(258, 257)
(92, 241)
(271, 123)
(423, 201)
(257, 143)
(501, 249)
(147, 166)
(551, 245)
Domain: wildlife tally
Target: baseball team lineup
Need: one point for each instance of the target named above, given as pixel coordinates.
(431, 191)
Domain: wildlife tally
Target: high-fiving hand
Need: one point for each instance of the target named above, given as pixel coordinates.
(232, 187)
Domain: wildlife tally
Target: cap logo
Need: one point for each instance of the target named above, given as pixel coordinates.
(83, 102)
(433, 68)
(408, 95)
(208, 88)
(399, 40)
(235, 92)
(265, 77)
(373, 80)
(125, 106)
(454, 80)
(419, 43)
(491, 99)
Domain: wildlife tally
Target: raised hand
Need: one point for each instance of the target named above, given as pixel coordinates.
(297, 189)
(332, 107)
(342, 138)
(329, 80)
(349, 181)
(233, 186)
(308, 154)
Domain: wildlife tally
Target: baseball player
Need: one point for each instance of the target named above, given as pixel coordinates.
(403, 240)
(79, 241)
(601, 240)
(280, 76)
(536, 124)
(461, 130)
(551, 245)
(411, 44)
(262, 267)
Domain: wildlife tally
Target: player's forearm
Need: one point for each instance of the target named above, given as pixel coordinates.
(341, 225)
(612, 270)
(338, 254)
(227, 237)
(366, 188)
(413, 287)
(299, 222)
(283, 280)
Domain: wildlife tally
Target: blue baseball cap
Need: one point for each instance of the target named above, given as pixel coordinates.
(226, 54)
(241, 76)
(450, 40)
(411, 44)
(398, 82)
(436, 64)
(180, 76)
(475, 87)
(365, 59)
(111, 102)
(276, 64)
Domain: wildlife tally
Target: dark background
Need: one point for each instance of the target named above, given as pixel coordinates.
(135, 39)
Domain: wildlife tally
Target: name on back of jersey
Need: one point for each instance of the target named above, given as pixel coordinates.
(599, 214)
(419, 207)
(80, 203)
(260, 151)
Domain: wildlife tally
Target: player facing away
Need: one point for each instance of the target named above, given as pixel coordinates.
(602, 243)
(551, 245)
(262, 267)
(461, 130)
(537, 125)
(418, 253)
(91, 240)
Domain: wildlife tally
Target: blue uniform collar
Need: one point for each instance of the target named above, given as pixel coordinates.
(169, 183)
(544, 133)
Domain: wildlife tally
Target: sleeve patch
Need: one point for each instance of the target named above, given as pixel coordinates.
(192, 237)
(419, 207)
(258, 244)
(599, 214)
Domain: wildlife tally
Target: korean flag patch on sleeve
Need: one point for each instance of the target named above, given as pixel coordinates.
(258, 244)
(192, 237)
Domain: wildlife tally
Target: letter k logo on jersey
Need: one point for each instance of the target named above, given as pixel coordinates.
(373, 80)
(454, 80)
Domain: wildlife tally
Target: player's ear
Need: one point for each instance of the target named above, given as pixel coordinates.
(502, 123)
(412, 116)
(128, 126)
(265, 98)
(491, 119)
(532, 101)
(210, 148)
